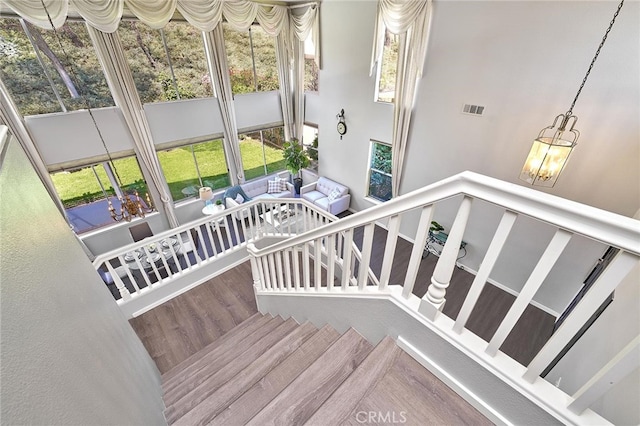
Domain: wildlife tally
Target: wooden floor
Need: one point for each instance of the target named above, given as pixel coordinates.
(184, 325)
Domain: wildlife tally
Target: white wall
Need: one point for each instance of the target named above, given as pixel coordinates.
(68, 354)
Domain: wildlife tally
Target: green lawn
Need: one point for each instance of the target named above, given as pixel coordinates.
(179, 170)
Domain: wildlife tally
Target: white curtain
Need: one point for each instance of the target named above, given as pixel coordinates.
(118, 75)
(11, 117)
(217, 59)
(105, 15)
(411, 20)
(283, 61)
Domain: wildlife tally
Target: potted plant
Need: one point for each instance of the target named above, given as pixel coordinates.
(219, 205)
(296, 159)
(436, 228)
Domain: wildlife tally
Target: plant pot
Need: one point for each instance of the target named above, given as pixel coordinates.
(297, 184)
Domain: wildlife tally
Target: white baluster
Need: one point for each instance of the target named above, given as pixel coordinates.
(317, 263)
(346, 258)
(389, 250)
(287, 267)
(367, 242)
(280, 275)
(272, 272)
(305, 266)
(417, 250)
(606, 283)
(331, 259)
(296, 267)
(540, 272)
(432, 303)
(265, 274)
(497, 243)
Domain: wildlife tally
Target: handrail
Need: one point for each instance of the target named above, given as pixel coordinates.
(607, 227)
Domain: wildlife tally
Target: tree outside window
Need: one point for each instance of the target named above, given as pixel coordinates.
(252, 60)
(310, 142)
(387, 68)
(310, 66)
(178, 72)
(71, 79)
(379, 182)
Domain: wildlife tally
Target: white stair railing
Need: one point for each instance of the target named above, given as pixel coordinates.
(333, 242)
(156, 261)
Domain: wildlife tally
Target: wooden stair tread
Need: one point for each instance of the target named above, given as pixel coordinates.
(237, 333)
(344, 400)
(217, 401)
(415, 396)
(180, 411)
(298, 401)
(215, 360)
(262, 392)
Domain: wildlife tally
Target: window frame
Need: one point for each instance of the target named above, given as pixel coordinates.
(368, 196)
(376, 95)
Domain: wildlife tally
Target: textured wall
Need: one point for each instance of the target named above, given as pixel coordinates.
(68, 354)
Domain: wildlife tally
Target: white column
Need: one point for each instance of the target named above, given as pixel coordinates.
(433, 301)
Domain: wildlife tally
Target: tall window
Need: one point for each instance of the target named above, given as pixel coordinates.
(167, 64)
(310, 143)
(47, 73)
(252, 60)
(379, 179)
(262, 152)
(190, 167)
(310, 66)
(387, 67)
(84, 191)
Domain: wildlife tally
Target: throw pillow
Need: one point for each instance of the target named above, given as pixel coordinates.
(335, 193)
(282, 183)
(273, 187)
(239, 199)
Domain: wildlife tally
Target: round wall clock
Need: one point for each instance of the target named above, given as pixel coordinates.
(342, 128)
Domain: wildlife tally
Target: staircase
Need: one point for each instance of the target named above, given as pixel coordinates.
(270, 371)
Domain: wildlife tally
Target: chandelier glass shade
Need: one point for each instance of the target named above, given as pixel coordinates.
(550, 152)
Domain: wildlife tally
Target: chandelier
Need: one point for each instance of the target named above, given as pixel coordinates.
(130, 205)
(550, 151)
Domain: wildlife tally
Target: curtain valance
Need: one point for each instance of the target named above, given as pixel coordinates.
(105, 15)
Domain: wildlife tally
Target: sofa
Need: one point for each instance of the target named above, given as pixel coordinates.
(327, 194)
(257, 189)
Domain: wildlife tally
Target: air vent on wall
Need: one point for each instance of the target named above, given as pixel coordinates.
(472, 109)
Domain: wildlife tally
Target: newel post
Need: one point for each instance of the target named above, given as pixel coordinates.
(433, 302)
(255, 271)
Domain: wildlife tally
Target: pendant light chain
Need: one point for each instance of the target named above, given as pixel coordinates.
(593, 61)
(82, 93)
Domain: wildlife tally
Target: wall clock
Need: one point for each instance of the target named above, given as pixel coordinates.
(342, 126)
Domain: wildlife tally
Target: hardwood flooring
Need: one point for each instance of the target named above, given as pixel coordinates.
(182, 326)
